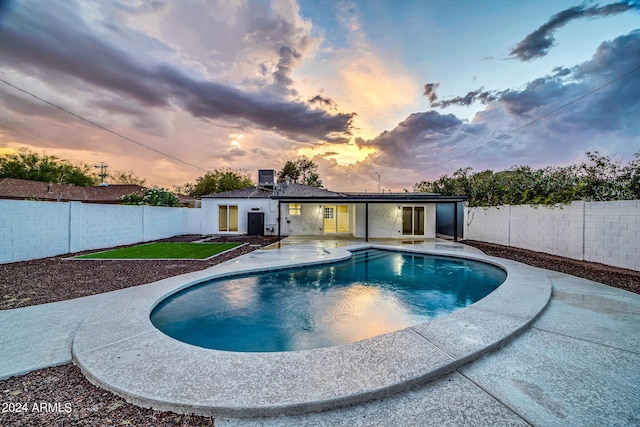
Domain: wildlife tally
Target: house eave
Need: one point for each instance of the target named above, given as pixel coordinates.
(372, 199)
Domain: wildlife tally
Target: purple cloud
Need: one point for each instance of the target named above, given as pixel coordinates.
(480, 95)
(538, 43)
(52, 42)
(605, 120)
(430, 92)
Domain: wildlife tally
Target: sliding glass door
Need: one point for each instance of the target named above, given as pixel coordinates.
(413, 220)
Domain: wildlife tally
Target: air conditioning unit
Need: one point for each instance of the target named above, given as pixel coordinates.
(266, 178)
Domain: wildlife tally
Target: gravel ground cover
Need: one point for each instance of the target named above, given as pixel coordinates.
(59, 278)
(628, 280)
(61, 396)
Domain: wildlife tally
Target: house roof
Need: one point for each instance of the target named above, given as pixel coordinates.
(12, 188)
(377, 198)
(307, 193)
(290, 190)
(246, 193)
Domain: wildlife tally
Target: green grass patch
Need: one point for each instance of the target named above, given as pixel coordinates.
(164, 250)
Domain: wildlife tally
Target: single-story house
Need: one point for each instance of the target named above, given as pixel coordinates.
(295, 209)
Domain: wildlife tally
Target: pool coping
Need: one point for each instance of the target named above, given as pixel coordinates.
(117, 347)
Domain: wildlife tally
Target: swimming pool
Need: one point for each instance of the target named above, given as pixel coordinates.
(119, 349)
(373, 293)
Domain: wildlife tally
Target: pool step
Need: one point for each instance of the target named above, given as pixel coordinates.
(369, 255)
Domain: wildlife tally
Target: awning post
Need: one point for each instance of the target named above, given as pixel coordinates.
(279, 216)
(366, 222)
(455, 221)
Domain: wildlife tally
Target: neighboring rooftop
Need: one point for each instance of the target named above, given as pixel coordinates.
(22, 189)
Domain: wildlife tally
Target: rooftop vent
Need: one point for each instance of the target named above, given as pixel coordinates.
(266, 178)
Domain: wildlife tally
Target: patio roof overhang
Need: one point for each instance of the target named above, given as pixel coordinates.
(366, 199)
(373, 198)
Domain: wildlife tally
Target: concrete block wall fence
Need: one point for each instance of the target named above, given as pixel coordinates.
(604, 232)
(32, 229)
(28, 230)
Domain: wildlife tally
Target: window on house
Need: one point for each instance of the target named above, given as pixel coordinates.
(328, 213)
(227, 218)
(295, 209)
(413, 220)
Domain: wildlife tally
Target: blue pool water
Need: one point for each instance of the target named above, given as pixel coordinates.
(375, 292)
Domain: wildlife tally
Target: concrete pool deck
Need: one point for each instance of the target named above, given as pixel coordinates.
(576, 364)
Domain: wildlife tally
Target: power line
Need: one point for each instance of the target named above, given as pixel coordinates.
(126, 138)
(504, 135)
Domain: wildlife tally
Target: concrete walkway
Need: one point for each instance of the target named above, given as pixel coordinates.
(40, 336)
(578, 364)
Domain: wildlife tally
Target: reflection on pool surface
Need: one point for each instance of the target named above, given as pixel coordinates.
(374, 292)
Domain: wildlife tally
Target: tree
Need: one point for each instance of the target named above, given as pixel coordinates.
(218, 181)
(630, 176)
(289, 170)
(125, 177)
(153, 197)
(600, 178)
(301, 171)
(26, 164)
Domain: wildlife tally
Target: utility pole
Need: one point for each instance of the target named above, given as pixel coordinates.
(103, 171)
(378, 181)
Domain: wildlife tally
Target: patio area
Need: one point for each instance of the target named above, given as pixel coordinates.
(575, 365)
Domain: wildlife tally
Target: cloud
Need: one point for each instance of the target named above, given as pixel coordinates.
(323, 101)
(362, 76)
(430, 92)
(289, 58)
(561, 71)
(538, 43)
(428, 144)
(232, 153)
(599, 111)
(358, 177)
(416, 138)
(254, 44)
(21, 105)
(50, 40)
(295, 120)
(536, 94)
(480, 95)
(616, 107)
(183, 76)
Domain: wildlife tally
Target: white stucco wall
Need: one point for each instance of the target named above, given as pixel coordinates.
(308, 223)
(385, 220)
(210, 219)
(605, 232)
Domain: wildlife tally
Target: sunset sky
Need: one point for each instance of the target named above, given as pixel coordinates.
(403, 89)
